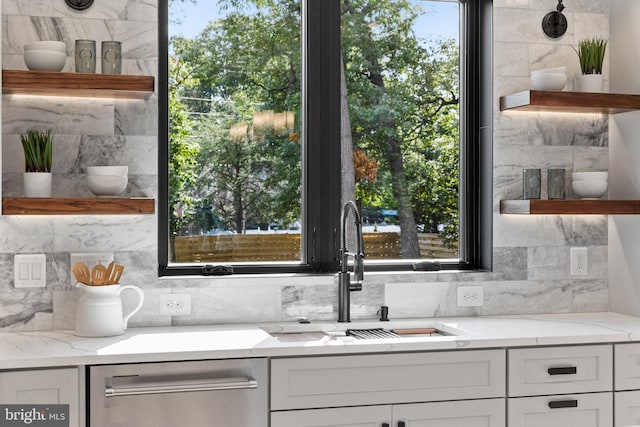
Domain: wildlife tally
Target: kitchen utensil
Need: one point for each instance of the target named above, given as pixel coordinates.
(50, 45)
(99, 312)
(44, 60)
(107, 185)
(589, 189)
(81, 273)
(108, 170)
(85, 55)
(116, 274)
(99, 275)
(548, 81)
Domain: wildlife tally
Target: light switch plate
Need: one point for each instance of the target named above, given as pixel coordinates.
(29, 271)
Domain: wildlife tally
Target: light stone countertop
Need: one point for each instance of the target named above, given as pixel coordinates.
(63, 348)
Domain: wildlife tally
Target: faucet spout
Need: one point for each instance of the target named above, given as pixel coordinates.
(345, 286)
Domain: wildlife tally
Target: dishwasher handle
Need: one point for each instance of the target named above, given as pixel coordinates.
(181, 387)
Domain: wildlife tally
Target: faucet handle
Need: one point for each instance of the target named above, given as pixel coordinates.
(358, 267)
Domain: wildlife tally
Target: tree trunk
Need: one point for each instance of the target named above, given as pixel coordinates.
(238, 211)
(408, 231)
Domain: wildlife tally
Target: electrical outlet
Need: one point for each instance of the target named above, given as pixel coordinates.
(175, 304)
(470, 296)
(579, 262)
(29, 271)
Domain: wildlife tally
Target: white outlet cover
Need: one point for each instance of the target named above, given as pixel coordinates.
(29, 271)
(470, 296)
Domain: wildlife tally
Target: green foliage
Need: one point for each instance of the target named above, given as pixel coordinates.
(403, 99)
(591, 55)
(38, 150)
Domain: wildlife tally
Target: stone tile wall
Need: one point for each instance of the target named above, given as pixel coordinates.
(530, 272)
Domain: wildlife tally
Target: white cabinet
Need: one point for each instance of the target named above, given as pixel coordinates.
(562, 386)
(571, 410)
(380, 390)
(46, 386)
(557, 370)
(332, 381)
(465, 413)
(627, 385)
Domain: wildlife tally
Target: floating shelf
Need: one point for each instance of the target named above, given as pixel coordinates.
(570, 102)
(51, 83)
(570, 207)
(77, 206)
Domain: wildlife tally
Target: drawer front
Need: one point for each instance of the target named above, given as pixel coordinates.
(316, 382)
(627, 357)
(626, 408)
(583, 410)
(556, 370)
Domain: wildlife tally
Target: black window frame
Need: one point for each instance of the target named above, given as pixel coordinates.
(321, 150)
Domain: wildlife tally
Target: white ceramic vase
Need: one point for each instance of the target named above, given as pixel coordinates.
(591, 83)
(37, 184)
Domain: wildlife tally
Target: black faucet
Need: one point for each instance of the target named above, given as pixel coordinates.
(345, 286)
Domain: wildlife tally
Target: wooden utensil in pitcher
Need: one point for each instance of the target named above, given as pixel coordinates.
(81, 273)
(99, 275)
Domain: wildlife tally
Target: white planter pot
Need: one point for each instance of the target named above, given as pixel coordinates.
(591, 83)
(37, 184)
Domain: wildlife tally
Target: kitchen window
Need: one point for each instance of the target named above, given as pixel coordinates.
(276, 112)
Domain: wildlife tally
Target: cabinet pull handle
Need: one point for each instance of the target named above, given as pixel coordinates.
(557, 404)
(181, 387)
(385, 424)
(567, 370)
(401, 424)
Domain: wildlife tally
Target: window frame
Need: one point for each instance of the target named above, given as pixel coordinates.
(321, 179)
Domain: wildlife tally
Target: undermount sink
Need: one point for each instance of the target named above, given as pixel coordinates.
(366, 331)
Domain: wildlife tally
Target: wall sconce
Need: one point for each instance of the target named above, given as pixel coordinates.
(554, 24)
(79, 4)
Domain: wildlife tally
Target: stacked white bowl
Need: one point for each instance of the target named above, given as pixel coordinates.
(590, 185)
(107, 180)
(45, 55)
(549, 79)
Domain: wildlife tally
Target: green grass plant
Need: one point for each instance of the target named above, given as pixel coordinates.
(38, 150)
(591, 55)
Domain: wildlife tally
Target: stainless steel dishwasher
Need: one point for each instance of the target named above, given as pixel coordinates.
(229, 393)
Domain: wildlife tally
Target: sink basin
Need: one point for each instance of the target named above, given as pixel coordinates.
(365, 331)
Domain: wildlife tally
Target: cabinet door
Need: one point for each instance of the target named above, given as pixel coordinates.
(559, 370)
(572, 410)
(627, 408)
(627, 363)
(41, 387)
(381, 379)
(359, 416)
(464, 413)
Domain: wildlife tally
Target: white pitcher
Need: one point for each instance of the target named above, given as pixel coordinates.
(99, 311)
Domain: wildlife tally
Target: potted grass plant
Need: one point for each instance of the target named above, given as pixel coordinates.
(38, 157)
(591, 56)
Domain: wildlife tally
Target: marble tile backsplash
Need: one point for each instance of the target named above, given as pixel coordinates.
(530, 273)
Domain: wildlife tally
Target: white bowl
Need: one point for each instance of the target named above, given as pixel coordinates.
(554, 70)
(589, 189)
(48, 45)
(548, 81)
(107, 185)
(108, 170)
(43, 60)
(590, 176)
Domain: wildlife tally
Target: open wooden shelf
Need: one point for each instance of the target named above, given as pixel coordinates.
(570, 207)
(77, 206)
(570, 102)
(51, 83)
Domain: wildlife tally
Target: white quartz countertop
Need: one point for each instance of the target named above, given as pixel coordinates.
(63, 348)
